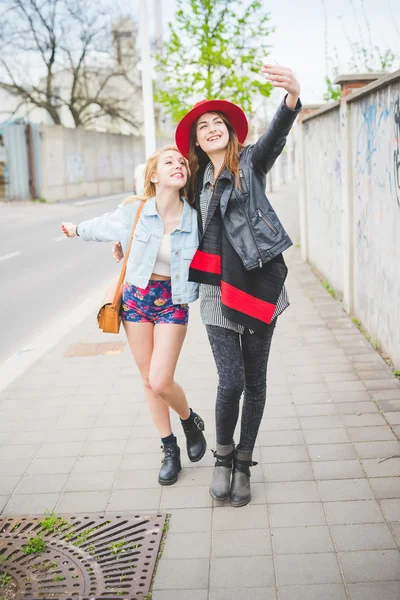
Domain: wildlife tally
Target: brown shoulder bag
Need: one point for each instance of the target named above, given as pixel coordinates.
(108, 317)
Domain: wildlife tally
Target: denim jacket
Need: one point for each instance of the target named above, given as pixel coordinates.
(117, 226)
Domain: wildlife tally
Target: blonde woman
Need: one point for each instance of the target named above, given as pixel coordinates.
(157, 292)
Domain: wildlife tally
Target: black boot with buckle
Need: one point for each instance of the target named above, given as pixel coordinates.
(171, 464)
(196, 444)
(240, 486)
(221, 481)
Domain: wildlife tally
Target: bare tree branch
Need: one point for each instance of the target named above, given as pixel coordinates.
(70, 41)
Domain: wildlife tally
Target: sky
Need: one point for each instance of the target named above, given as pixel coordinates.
(299, 40)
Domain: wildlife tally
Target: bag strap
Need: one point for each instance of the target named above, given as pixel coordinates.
(123, 269)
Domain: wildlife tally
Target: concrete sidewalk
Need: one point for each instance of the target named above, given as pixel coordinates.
(324, 522)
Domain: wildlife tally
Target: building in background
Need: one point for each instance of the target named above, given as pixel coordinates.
(115, 81)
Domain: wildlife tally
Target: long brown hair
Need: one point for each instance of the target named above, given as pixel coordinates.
(198, 158)
(149, 172)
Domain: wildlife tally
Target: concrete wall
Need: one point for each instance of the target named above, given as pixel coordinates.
(323, 172)
(375, 134)
(350, 207)
(284, 169)
(78, 163)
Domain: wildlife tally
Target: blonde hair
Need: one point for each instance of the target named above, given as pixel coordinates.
(149, 172)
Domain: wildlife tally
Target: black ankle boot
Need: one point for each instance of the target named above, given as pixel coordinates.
(240, 486)
(171, 464)
(221, 482)
(195, 441)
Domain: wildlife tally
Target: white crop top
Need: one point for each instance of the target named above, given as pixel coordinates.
(163, 260)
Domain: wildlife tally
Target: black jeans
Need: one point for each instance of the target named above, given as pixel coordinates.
(241, 361)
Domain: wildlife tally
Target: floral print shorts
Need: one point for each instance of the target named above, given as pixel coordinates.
(152, 304)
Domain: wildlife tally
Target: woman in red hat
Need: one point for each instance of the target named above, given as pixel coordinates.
(238, 264)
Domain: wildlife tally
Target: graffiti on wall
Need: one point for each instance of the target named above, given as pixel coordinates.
(396, 151)
(338, 166)
(371, 135)
(371, 145)
(75, 164)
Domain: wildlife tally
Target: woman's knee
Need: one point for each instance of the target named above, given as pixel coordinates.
(231, 387)
(146, 383)
(160, 383)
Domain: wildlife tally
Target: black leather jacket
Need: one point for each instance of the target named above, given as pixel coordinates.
(251, 223)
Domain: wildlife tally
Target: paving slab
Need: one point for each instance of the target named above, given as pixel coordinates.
(370, 565)
(307, 569)
(364, 536)
(233, 572)
(313, 592)
(372, 591)
(252, 593)
(353, 511)
(309, 540)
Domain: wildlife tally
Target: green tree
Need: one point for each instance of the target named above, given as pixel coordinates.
(215, 50)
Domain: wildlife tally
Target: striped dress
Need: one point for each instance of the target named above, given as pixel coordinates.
(210, 295)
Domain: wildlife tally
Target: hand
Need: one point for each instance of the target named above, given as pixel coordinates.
(282, 77)
(117, 251)
(69, 229)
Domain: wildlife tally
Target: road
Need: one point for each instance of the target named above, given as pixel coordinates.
(43, 274)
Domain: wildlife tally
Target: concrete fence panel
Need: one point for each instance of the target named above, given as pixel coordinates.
(375, 135)
(350, 204)
(323, 170)
(78, 163)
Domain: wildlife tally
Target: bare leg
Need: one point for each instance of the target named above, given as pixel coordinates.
(141, 342)
(168, 340)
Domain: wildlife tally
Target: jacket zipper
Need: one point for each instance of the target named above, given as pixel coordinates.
(264, 218)
(260, 264)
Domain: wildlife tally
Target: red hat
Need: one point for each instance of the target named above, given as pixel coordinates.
(234, 113)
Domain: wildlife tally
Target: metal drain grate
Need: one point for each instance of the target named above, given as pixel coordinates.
(93, 557)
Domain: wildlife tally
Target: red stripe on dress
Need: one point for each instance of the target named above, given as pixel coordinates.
(203, 261)
(245, 303)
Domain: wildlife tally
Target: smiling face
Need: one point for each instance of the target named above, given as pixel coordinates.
(171, 170)
(212, 134)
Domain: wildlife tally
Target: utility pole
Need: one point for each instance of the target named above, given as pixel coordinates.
(147, 82)
(158, 22)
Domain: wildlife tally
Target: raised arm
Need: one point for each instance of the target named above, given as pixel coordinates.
(267, 149)
(110, 227)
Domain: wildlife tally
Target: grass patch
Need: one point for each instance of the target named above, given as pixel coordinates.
(40, 200)
(5, 579)
(34, 546)
(329, 288)
(375, 345)
(160, 551)
(82, 537)
(117, 548)
(374, 342)
(43, 567)
(52, 523)
(8, 587)
(359, 326)
(396, 373)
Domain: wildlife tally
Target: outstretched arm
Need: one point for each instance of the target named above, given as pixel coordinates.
(107, 228)
(271, 143)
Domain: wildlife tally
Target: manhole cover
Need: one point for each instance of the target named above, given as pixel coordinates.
(101, 349)
(81, 557)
